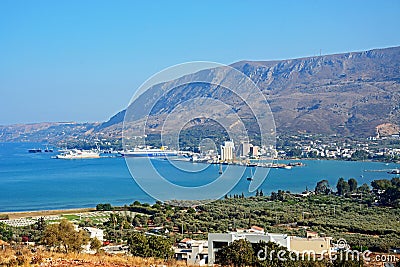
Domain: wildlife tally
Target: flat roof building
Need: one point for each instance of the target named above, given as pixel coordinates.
(310, 246)
(217, 241)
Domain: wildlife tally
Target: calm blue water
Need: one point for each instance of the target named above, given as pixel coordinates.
(37, 182)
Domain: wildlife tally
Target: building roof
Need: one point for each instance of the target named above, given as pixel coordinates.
(185, 240)
(256, 228)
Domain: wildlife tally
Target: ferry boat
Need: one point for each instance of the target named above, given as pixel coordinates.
(149, 152)
(79, 154)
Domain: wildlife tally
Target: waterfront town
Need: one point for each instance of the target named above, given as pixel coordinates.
(288, 146)
(200, 133)
(186, 236)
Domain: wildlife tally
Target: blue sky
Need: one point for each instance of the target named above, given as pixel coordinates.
(83, 60)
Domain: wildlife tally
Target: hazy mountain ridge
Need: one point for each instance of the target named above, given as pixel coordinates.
(54, 132)
(350, 94)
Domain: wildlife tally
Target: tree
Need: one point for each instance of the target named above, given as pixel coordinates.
(391, 197)
(160, 247)
(364, 188)
(5, 232)
(106, 206)
(138, 245)
(381, 184)
(353, 184)
(395, 182)
(152, 246)
(191, 210)
(64, 237)
(294, 153)
(95, 244)
(281, 195)
(342, 187)
(360, 155)
(238, 253)
(40, 224)
(322, 187)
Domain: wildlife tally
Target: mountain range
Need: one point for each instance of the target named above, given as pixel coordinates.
(351, 94)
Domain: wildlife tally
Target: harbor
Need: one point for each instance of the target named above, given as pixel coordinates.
(66, 184)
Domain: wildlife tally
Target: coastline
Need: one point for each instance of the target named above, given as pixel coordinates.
(38, 213)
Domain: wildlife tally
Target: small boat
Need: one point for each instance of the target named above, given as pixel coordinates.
(220, 168)
(395, 171)
(34, 150)
(49, 150)
(250, 178)
(252, 164)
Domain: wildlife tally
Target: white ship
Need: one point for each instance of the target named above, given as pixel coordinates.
(79, 154)
(149, 152)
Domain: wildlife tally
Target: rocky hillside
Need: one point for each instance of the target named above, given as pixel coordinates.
(353, 94)
(350, 93)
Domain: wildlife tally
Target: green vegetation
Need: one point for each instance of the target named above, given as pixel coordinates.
(95, 244)
(368, 218)
(5, 232)
(238, 253)
(322, 187)
(71, 217)
(150, 246)
(63, 237)
(363, 217)
(106, 206)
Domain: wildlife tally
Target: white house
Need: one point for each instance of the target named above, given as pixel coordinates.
(218, 240)
(95, 233)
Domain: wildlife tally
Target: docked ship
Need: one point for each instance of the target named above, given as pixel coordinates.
(79, 154)
(149, 152)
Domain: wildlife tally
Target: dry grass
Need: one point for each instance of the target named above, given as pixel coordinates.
(24, 257)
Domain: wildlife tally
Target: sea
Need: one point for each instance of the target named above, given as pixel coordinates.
(36, 181)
